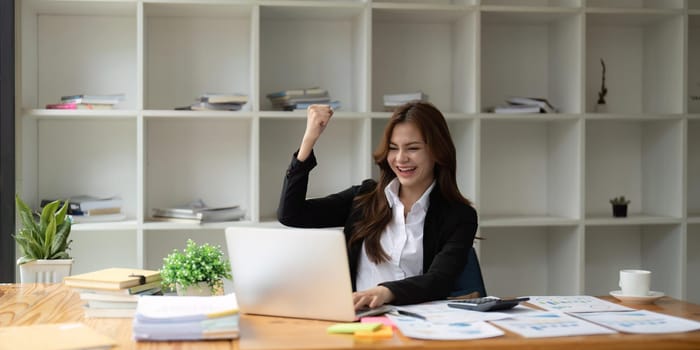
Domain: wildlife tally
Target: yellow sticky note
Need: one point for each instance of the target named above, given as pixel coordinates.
(383, 332)
(353, 327)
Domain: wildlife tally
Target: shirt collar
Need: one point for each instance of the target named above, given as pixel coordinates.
(391, 191)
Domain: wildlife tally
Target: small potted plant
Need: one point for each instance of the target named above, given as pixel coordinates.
(197, 270)
(44, 244)
(619, 206)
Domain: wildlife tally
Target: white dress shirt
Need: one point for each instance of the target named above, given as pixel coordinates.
(402, 240)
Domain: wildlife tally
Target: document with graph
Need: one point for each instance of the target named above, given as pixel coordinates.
(575, 303)
(550, 324)
(641, 321)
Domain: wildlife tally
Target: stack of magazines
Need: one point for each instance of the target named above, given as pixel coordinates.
(198, 212)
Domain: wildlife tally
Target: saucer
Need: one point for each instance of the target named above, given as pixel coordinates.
(633, 299)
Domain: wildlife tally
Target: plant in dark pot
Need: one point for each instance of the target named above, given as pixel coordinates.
(619, 206)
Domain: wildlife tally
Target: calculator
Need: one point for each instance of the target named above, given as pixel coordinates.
(486, 303)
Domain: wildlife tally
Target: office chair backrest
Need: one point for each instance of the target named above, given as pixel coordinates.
(470, 280)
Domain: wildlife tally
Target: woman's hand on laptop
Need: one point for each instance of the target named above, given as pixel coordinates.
(373, 297)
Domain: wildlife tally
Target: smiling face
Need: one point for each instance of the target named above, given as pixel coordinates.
(409, 158)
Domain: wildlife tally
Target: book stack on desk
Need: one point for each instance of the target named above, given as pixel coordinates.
(160, 318)
(114, 292)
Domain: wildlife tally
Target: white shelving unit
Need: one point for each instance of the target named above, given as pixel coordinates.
(541, 183)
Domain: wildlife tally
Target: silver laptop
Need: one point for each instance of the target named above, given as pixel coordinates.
(290, 272)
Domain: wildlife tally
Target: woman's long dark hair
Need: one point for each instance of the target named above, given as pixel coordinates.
(373, 206)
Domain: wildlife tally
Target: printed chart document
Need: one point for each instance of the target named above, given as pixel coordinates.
(550, 324)
(442, 322)
(641, 321)
(575, 303)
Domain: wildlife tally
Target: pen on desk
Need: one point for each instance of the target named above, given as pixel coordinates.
(411, 314)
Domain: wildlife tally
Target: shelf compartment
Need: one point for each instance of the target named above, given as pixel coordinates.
(105, 226)
(67, 114)
(640, 77)
(693, 177)
(101, 249)
(62, 39)
(315, 46)
(445, 65)
(193, 49)
(524, 221)
(530, 169)
(538, 3)
(694, 5)
(610, 249)
(694, 63)
(82, 157)
(531, 54)
(641, 160)
(635, 4)
(187, 159)
(546, 261)
(423, 3)
(342, 153)
(693, 264)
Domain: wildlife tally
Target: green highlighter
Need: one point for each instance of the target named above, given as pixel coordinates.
(353, 327)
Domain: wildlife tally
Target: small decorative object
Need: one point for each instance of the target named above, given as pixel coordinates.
(619, 205)
(601, 106)
(197, 270)
(44, 244)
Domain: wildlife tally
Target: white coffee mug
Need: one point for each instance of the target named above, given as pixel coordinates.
(635, 282)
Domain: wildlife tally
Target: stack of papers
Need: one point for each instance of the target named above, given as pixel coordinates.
(186, 318)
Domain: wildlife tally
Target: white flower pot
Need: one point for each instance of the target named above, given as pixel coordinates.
(200, 289)
(45, 271)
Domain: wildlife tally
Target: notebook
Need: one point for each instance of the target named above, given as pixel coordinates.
(288, 272)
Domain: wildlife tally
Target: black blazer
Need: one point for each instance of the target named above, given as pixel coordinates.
(448, 232)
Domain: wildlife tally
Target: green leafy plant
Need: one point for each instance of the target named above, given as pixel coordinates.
(47, 238)
(196, 263)
(621, 200)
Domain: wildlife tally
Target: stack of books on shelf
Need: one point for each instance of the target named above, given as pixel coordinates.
(391, 101)
(198, 212)
(525, 105)
(87, 102)
(114, 292)
(83, 209)
(161, 318)
(218, 102)
(301, 99)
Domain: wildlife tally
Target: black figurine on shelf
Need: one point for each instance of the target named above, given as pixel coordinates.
(601, 106)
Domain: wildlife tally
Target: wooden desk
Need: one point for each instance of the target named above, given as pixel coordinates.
(26, 304)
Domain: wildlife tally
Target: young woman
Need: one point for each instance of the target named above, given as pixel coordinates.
(409, 233)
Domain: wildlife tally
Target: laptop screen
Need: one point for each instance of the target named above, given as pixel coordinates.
(291, 272)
